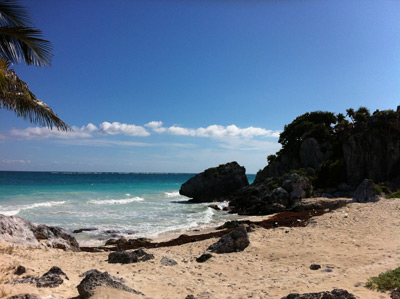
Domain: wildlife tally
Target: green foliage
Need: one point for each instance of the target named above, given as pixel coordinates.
(315, 124)
(394, 194)
(386, 281)
(271, 158)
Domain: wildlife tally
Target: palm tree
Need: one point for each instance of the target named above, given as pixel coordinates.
(20, 42)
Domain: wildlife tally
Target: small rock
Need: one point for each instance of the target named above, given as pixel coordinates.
(204, 257)
(315, 266)
(359, 284)
(327, 270)
(168, 262)
(190, 297)
(236, 240)
(124, 257)
(395, 294)
(20, 270)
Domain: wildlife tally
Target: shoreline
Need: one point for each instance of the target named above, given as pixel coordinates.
(351, 244)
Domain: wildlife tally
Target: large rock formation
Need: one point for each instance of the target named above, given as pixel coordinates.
(16, 230)
(271, 197)
(215, 184)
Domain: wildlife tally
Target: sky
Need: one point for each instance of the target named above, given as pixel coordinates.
(183, 85)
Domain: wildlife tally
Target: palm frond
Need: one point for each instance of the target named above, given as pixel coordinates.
(13, 14)
(24, 45)
(16, 96)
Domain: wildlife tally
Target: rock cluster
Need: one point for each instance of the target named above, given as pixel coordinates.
(124, 257)
(50, 279)
(19, 231)
(335, 294)
(215, 184)
(268, 198)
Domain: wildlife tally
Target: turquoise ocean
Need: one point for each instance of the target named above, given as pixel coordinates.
(116, 204)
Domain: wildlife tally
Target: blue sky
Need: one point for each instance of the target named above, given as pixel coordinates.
(180, 86)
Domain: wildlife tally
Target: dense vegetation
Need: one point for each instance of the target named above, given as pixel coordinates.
(387, 281)
(331, 132)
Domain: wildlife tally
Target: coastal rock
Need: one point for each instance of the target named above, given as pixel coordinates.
(78, 231)
(236, 240)
(335, 294)
(124, 257)
(215, 207)
(50, 279)
(87, 286)
(22, 232)
(395, 294)
(319, 203)
(168, 262)
(366, 192)
(215, 184)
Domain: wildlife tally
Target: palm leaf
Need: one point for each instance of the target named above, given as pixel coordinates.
(16, 96)
(24, 45)
(13, 14)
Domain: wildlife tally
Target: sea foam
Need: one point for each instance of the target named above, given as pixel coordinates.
(172, 194)
(17, 210)
(115, 201)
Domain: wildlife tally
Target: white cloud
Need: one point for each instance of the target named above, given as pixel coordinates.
(16, 161)
(118, 128)
(214, 131)
(156, 126)
(219, 132)
(44, 133)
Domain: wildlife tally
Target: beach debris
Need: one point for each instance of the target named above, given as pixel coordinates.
(95, 278)
(20, 270)
(77, 231)
(335, 294)
(215, 184)
(236, 240)
(367, 191)
(50, 279)
(17, 230)
(204, 257)
(168, 262)
(123, 257)
(315, 266)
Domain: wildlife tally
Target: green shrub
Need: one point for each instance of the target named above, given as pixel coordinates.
(394, 195)
(386, 281)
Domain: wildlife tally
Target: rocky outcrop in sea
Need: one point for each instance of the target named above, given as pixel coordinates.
(215, 184)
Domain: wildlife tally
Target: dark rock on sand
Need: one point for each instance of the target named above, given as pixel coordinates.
(24, 296)
(124, 257)
(236, 240)
(229, 225)
(204, 257)
(87, 286)
(215, 184)
(335, 294)
(19, 231)
(366, 192)
(168, 262)
(50, 279)
(77, 231)
(215, 207)
(315, 266)
(124, 241)
(20, 270)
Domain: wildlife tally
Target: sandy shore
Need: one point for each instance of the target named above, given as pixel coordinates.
(356, 242)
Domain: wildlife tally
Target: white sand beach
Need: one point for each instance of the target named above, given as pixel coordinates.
(351, 244)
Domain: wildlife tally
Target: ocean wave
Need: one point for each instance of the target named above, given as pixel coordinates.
(115, 201)
(17, 210)
(172, 194)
